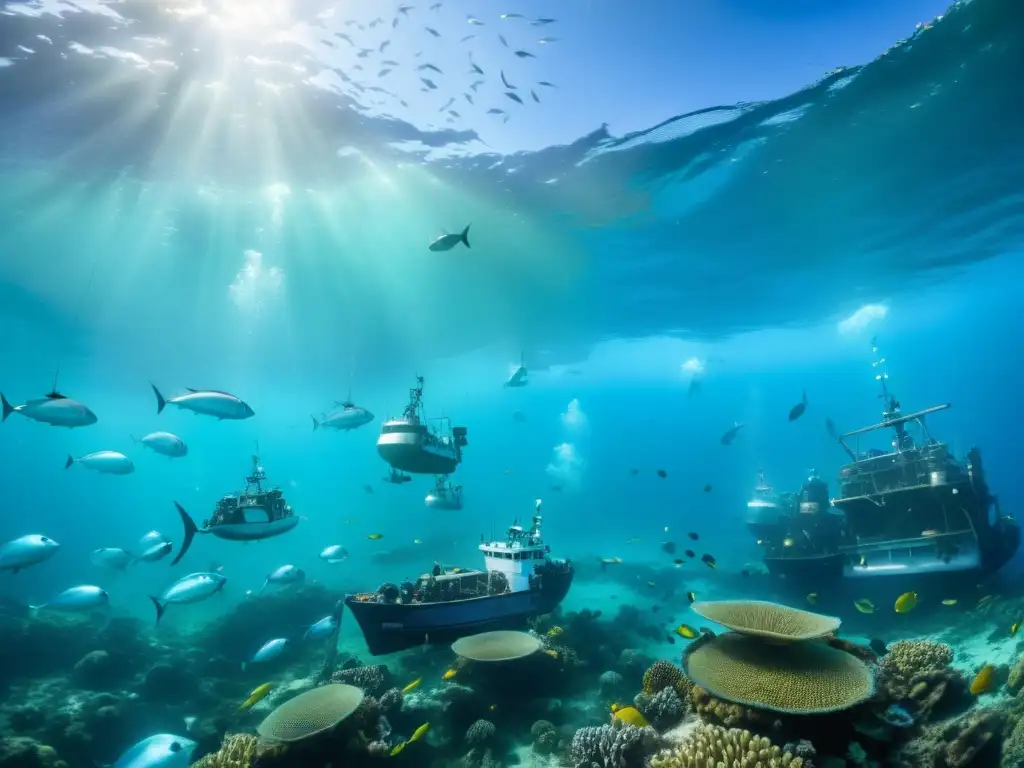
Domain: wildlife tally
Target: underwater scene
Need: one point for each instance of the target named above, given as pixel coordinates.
(552, 385)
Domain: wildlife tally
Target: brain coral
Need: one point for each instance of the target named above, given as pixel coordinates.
(796, 678)
(769, 620)
(711, 745)
(661, 674)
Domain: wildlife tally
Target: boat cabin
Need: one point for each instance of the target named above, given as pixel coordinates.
(518, 555)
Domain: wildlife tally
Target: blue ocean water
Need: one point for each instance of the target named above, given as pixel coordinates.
(255, 223)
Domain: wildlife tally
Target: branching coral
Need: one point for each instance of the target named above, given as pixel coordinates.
(709, 746)
(609, 747)
(907, 658)
(238, 750)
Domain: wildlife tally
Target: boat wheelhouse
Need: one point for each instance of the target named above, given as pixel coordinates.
(410, 444)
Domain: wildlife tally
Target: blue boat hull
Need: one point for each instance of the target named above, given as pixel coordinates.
(392, 627)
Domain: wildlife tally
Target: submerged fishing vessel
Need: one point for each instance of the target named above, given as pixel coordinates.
(911, 509)
(519, 580)
(410, 444)
(250, 515)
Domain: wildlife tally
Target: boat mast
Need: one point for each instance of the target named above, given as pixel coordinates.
(412, 410)
(257, 477)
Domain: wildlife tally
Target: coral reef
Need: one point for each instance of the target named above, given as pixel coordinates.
(607, 746)
(797, 678)
(373, 679)
(239, 750)
(726, 713)
(708, 746)
(769, 620)
(906, 659)
(665, 674)
(664, 709)
(480, 732)
(972, 739)
(545, 737)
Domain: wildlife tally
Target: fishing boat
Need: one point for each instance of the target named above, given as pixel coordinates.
(519, 580)
(444, 495)
(410, 444)
(250, 515)
(911, 509)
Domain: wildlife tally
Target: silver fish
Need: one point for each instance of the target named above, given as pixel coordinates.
(322, 628)
(447, 241)
(350, 416)
(188, 589)
(209, 402)
(164, 750)
(472, 20)
(268, 652)
(542, 22)
(76, 599)
(432, 31)
(286, 574)
(165, 443)
(107, 462)
(111, 557)
(535, 96)
(157, 551)
(54, 409)
(507, 16)
(335, 553)
(25, 551)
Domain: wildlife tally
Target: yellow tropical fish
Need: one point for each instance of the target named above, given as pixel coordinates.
(413, 685)
(864, 605)
(930, 532)
(812, 598)
(552, 653)
(949, 602)
(449, 674)
(1013, 628)
(983, 680)
(616, 707)
(906, 602)
(787, 542)
(374, 536)
(685, 630)
(631, 716)
(419, 733)
(257, 695)
(397, 749)
(555, 631)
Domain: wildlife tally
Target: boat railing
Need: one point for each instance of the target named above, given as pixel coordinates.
(930, 465)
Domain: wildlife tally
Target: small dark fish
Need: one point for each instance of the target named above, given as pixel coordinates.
(707, 488)
(503, 40)
(454, 114)
(693, 536)
(506, 82)
(384, 45)
(634, 471)
(514, 97)
(475, 69)
(429, 83)
(798, 410)
(421, 67)
(433, 31)
(346, 38)
(669, 547)
(363, 53)
(879, 646)
(496, 111)
(475, 85)
(467, 37)
(375, 22)
(745, 573)
(394, 23)
(447, 104)
(671, 639)
(404, 9)
(830, 427)
(389, 63)
(691, 597)
(678, 561)
(662, 474)
(690, 553)
(436, 6)
(546, 84)
(730, 435)
(542, 22)
(525, 55)
(368, 488)
(383, 72)
(709, 561)
(328, 43)
(535, 96)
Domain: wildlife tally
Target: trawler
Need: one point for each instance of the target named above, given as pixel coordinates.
(250, 515)
(519, 580)
(409, 444)
(444, 495)
(911, 509)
